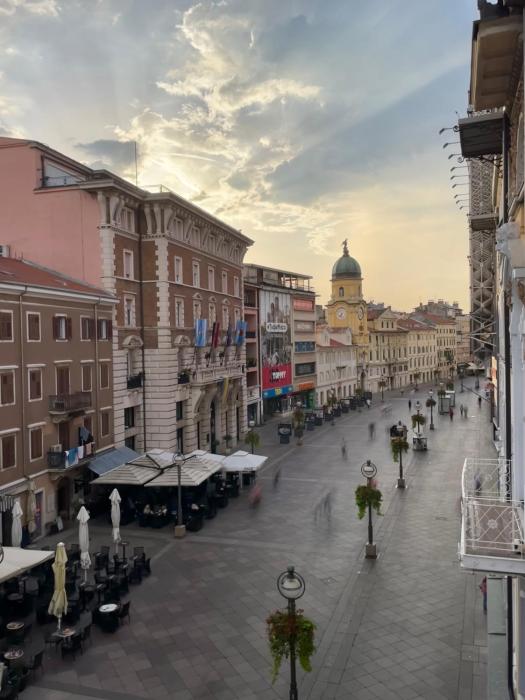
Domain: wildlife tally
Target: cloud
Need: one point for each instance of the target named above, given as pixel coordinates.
(48, 8)
(110, 153)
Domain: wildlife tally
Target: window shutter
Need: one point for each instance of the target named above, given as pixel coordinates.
(7, 388)
(110, 329)
(99, 329)
(55, 327)
(91, 328)
(69, 329)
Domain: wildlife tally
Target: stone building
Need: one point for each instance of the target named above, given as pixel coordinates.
(56, 389)
(336, 363)
(178, 333)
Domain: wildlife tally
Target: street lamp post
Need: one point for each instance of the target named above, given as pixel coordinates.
(180, 528)
(431, 398)
(418, 408)
(291, 586)
(369, 470)
(401, 480)
(251, 425)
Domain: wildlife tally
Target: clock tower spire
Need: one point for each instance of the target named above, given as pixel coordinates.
(347, 308)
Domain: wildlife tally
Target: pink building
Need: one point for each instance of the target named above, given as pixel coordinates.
(169, 264)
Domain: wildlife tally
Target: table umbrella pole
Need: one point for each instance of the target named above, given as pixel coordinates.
(59, 618)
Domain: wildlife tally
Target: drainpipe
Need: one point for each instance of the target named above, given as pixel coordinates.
(143, 350)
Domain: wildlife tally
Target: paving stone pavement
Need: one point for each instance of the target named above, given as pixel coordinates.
(408, 625)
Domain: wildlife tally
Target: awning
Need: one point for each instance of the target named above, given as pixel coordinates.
(128, 475)
(241, 461)
(194, 471)
(106, 461)
(17, 560)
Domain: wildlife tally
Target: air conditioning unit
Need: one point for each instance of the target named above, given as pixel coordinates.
(56, 448)
(4, 251)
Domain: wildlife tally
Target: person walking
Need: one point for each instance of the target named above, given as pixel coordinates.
(409, 404)
(451, 413)
(465, 411)
(483, 589)
(343, 449)
(371, 430)
(276, 477)
(461, 410)
(479, 401)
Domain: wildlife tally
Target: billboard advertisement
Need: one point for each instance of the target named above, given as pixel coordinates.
(276, 343)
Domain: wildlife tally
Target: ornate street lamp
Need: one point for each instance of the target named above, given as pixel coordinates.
(291, 586)
(178, 461)
(369, 470)
(431, 403)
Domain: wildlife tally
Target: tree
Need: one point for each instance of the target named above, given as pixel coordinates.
(252, 438)
(382, 385)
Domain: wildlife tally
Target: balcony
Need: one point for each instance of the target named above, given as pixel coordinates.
(213, 374)
(69, 403)
(135, 381)
(491, 525)
(59, 460)
(251, 335)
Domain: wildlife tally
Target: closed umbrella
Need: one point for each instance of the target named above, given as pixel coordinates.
(58, 604)
(115, 516)
(16, 526)
(31, 509)
(83, 539)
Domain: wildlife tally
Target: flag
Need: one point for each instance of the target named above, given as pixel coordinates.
(215, 334)
(240, 332)
(225, 386)
(229, 334)
(201, 327)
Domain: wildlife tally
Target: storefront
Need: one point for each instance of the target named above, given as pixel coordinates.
(305, 393)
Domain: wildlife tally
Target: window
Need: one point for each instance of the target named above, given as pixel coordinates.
(225, 317)
(86, 377)
(36, 449)
(341, 291)
(35, 384)
(236, 315)
(196, 268)
(178, 270)
(197, 310)
(104, 423)
(304, 368)
(104, 329)
(7, 388)
(104, 375)
(179, 313)
(224, 282)
(180, 410)
(8, 451)
(305, 346)
(33, 327)
(87, 328)
(128, 265)
(62, 328)
(236, 289)
(88, 424)
(211, 278)
(129, 311)
(212, 313)
(129, 417)
(6, 326)
(62, 380)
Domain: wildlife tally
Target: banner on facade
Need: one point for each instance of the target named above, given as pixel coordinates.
(276, 345)
(240, 332)
(201, 328)
(215, 334)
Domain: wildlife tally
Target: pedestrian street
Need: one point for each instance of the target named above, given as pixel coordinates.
(407, 625)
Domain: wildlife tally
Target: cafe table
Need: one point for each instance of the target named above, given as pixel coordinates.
(13, 655)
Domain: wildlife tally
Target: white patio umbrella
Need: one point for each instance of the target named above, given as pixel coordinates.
(31, 508)
(115, 516)
(16, 526)
(58, 604)
(83, 539)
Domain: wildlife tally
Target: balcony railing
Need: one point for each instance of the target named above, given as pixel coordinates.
(61, 460)
(135, 381)
(492, 524)
(67, 403)
(251, 334)
(212, 374)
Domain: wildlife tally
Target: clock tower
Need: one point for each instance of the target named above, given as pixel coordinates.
(347, 308)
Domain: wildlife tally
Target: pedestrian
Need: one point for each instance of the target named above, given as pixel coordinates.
(483, 589)
(343, 448)
(465, 411)
(371, 430)
(327, 505)
(451, 413)
(276, 477)
(409, 404)
(461, 410)
(368, 402)
(255, 495)
(479, 401)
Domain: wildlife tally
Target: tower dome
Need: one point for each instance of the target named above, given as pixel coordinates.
(346, 267)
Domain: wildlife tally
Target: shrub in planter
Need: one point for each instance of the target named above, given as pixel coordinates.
(282, 627)
(365, 495)
(398, 445)
(418, 420)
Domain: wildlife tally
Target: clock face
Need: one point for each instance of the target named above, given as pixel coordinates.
(341, 314)
(360, 312)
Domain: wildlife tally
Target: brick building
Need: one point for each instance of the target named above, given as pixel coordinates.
(169, 263)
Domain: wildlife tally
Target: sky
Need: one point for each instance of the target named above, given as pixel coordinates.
(299, 122)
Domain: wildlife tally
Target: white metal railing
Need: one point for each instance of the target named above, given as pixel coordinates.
(214, 373)
(492, 524)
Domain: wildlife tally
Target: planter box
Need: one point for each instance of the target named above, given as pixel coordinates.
(284, 439)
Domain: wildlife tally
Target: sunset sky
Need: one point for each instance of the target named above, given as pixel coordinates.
(301, 122)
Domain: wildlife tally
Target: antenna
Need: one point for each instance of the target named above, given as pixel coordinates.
(136, 166)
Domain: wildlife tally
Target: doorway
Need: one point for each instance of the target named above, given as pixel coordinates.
(62, 381)
(212, 428)
(63, 498)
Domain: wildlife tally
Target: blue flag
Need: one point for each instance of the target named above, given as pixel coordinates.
(240, 332)
(201, 327)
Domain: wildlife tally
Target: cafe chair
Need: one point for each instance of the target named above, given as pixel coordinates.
(135, 575)
(36, 662)
(72, 646)
(53, 641)
(147, 566)
(124, 612)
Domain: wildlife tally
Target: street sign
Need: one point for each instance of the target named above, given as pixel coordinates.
(369, 469)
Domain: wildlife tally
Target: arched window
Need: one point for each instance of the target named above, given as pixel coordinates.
(341, 291)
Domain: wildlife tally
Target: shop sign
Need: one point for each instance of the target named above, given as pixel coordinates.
(304, 326)
(276, 327)
(278, 391)
(303, 304)
(276, 376)
(305, 386)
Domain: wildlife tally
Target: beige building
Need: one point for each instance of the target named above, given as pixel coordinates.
(336, 363)
(463, 340)
(56, 389)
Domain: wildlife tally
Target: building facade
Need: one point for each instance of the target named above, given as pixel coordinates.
(56, 390)
(336, 364)
(179, 363)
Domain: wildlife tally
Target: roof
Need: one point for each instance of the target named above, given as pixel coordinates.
(106, 461)
(17, 272)
(346, 267)
(434, 318)
(299, 275)
(411, 324)
(372, 314)
(336, 343)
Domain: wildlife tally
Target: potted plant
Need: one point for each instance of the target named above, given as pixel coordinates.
(227, 439)
(450, 386)
(398, 445)
(298, 424)
(368, 495)
(418, 421)
(282, 628)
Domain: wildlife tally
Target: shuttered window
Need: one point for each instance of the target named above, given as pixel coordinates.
(35, 443)
(62, 328)
(87, 328)
(104, 423)
(104, 375)
(8, 451)
(7, 388)
(35, 384)
(6, 325)
(86, 377)
(33, 326)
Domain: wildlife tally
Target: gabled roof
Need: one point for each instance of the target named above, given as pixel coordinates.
(28, 274)
(434, 319)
